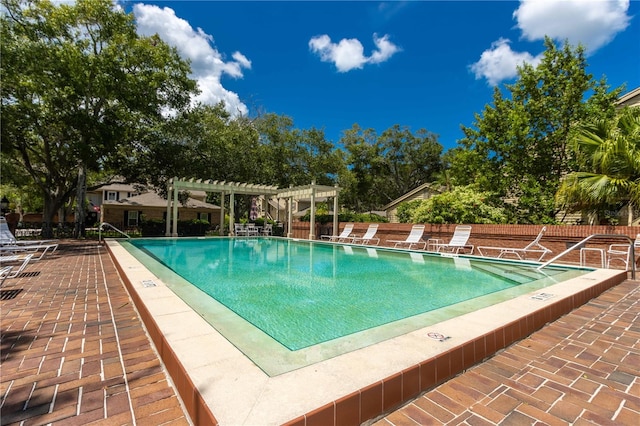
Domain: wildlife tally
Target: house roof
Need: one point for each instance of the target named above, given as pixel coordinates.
(631, 98)
(152, 199)
(411, 194)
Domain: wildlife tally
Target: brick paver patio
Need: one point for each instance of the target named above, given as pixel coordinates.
(582, 369)
(74, 351)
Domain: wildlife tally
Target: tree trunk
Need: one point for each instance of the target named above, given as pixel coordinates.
(47, 218)
(81, 192)
(630, 214)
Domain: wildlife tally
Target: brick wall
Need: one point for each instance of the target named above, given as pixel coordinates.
(557, 237)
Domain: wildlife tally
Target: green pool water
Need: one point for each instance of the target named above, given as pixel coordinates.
(303, 293)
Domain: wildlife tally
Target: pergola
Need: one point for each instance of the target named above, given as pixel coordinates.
(311, 191)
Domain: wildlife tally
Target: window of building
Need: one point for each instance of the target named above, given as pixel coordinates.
(132, 218)
(111, 196)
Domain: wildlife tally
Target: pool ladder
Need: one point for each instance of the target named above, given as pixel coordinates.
(582, 243)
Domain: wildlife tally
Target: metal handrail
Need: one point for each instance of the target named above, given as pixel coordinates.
(582, 243)
(112, 227)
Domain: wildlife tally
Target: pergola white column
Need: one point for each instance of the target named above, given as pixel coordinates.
(232, 214)
(174, 233)
(312, 191)
(312, 220)
(233, 188)
(222, 213)
(289, 216)
(167, 231)
(335, 214)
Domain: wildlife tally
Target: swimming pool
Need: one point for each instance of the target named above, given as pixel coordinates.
(356, 377)
(307, 301)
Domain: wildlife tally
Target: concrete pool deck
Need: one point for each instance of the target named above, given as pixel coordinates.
(41, 307)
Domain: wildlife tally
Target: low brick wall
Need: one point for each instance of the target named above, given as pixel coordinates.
(557, 237)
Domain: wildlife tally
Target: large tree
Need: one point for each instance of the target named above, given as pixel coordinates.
(79, 86)
(382, 168)
(520, 143)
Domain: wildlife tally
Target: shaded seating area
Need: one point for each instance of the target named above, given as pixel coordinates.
(369, 237)
(414, 238)
(532, 251)
(458, 241)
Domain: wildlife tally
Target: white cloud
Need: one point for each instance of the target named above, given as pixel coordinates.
(348, 54)
(592, 23)
(207, 63)
(500, 62)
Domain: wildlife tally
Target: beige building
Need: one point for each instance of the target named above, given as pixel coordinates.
(423, 192)
(123, 206)
(631, 99)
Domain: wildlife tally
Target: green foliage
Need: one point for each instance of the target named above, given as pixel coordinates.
(519, 148)
(79, 89)
(346, 216)
(461, 205)
(609, 169)
(157, 227)
(382, 168)
(405, 210)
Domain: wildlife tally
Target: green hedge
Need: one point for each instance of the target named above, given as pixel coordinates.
(186, 228)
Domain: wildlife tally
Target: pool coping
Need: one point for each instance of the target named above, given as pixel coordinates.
(219, 385)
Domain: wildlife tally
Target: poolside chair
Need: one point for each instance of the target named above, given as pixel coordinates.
(4, 273)
(37, 249)
(239, 229)
(344, 235)
(622, 252)
(251, 230)
(267, 229)
(415, 237)
(369, 236)
(22, 259)
(7, 238)
(458, 241)
(533, 248)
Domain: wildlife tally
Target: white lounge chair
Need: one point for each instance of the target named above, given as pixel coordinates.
(458, 241)
(38, 250)
(8, 239)
(369, 236)
(415, 237)
(267, 229)
(622, 252)
(344, 235)
(22, 259)
(533, 250)
(4, 273)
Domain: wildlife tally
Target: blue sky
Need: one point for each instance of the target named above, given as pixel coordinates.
(421, 64)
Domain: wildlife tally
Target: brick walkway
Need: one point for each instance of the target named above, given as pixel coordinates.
(74, 351)
(582, 369)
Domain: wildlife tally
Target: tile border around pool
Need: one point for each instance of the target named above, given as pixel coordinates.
(426, 364)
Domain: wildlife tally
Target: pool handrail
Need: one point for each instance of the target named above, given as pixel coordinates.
(582, 243)
(112, 227)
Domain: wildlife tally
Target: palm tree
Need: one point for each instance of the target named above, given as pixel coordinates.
(609, 154)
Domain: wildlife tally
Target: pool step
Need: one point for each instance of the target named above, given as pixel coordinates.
(517, 275)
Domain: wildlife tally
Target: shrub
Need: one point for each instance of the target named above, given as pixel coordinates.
(461, 205)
